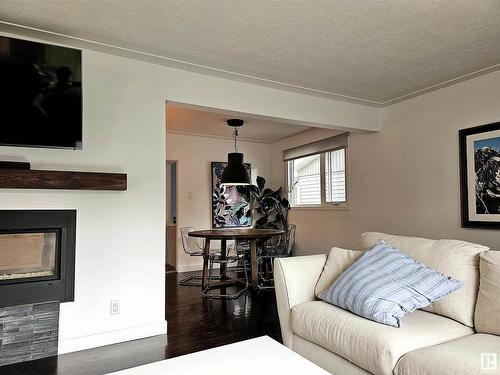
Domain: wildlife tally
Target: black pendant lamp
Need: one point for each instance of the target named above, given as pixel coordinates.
(235, 172)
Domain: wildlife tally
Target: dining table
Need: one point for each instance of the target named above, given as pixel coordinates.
(254, 236)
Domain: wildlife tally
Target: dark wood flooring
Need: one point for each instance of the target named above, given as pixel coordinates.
(193, 324)
(169, 268)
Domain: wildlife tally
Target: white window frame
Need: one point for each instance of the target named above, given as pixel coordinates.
(338, 206)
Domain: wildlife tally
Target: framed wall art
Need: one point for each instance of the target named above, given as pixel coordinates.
(230, 205)
(480, 176)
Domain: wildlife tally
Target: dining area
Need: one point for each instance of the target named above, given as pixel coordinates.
(249, 229)
(235, 260)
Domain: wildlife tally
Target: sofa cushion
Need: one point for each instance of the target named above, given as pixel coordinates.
(385, 284)
(458, 259)
(338, 261)
(457, 357)
(372, 346)
(487, 318)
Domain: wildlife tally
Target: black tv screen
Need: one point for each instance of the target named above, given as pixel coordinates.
(40, 94)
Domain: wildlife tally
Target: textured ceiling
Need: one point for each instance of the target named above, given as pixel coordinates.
(200, 122)
(373, 50)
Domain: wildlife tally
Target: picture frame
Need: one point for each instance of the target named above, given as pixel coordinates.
(479, 154)
(231, 206)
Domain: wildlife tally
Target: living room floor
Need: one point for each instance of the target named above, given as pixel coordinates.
(194, 324)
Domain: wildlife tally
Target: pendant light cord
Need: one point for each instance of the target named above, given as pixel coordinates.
(235, 137)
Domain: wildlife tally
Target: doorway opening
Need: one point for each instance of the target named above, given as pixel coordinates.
(171, 230)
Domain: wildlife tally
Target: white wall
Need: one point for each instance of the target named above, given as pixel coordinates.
(405, 179)
(194, 155)
(121, 235)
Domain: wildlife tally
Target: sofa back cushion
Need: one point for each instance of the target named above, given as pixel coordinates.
(487, 318)
(338, 261)
(458, 259)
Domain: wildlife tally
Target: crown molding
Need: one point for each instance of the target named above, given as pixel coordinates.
(441, 85)
(71, 41)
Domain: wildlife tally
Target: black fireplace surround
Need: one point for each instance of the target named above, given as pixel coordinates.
(58, 286)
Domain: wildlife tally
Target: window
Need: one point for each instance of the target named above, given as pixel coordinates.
(317, 180)
(305, 182)
(335, 182)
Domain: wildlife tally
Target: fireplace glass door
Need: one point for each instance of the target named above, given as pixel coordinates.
(28, 256)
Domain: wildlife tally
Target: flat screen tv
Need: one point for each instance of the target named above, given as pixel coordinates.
(40, 95)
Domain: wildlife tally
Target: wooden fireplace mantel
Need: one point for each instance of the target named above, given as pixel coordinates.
(42, 179)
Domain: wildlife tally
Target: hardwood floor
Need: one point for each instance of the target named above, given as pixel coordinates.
(169, 268)
(193, 324)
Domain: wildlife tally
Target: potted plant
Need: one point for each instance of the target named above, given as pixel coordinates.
(269, 208)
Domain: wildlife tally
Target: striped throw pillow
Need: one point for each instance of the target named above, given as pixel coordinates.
(384, 284)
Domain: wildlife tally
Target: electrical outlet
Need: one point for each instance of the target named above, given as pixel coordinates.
(114, 307)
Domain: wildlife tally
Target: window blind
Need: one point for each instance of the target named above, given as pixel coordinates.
(324, 145)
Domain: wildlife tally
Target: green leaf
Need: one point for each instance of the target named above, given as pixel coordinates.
(261, 182)
(262, 222)
(267, 191)
(285, 203)
(277, 193)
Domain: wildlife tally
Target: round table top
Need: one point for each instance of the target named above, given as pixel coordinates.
(250, 233)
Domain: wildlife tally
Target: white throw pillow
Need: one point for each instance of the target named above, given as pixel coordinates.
(338, 261)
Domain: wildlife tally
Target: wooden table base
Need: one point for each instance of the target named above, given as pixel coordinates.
(204, 277)
(255, 266)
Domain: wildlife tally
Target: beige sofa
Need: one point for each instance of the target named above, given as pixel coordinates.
(456, 335)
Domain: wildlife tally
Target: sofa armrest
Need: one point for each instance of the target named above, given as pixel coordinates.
(294, 282)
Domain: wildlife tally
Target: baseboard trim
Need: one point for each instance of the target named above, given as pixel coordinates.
(192, 267)
(75, 344)
(189, 268)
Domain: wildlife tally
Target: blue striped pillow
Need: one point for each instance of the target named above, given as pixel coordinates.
(384, 284)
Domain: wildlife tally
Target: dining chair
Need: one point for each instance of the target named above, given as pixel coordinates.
(193, 248)
(214, 259)
(281, 249)
(242, 247)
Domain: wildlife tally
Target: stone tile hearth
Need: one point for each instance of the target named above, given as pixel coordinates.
(28, 332)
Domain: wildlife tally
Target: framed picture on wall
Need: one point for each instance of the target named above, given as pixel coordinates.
(230, 205)
(480, 176)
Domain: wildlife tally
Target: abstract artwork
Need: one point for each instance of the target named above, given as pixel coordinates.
(230, 204)
(480, 176)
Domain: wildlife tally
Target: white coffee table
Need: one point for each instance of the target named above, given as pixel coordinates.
(262, 355)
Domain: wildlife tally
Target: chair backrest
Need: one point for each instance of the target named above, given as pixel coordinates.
(290, 239)
(189, 244)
